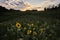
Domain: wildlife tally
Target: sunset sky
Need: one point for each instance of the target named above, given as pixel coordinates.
(24, 5)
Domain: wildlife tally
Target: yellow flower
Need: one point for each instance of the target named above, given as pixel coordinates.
(29, 31)
(18, 25)
(42, 30)
(29, 24)
(25, 28)
(34, 33)
(34, 28)
(32, 24)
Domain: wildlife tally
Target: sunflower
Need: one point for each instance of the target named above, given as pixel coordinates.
(18, 25)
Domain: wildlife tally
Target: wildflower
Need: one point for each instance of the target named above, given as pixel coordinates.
(29, 25)
(25, 28)
(29, 31)
(45, 24)
(34, 28)
(42, 30)
(18, 25)
(32, 24)
(34, 33)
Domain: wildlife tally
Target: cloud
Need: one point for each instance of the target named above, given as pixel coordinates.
(23, 5)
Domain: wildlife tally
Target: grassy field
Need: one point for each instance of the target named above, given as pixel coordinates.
(30, 25)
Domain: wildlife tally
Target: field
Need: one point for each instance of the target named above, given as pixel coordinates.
(30, 25)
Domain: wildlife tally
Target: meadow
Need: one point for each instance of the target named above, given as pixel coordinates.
(30, 25)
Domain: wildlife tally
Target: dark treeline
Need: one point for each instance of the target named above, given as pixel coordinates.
(53, 10)
(52, 13)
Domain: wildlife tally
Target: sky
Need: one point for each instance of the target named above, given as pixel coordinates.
(34, 2)
(24, 5)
